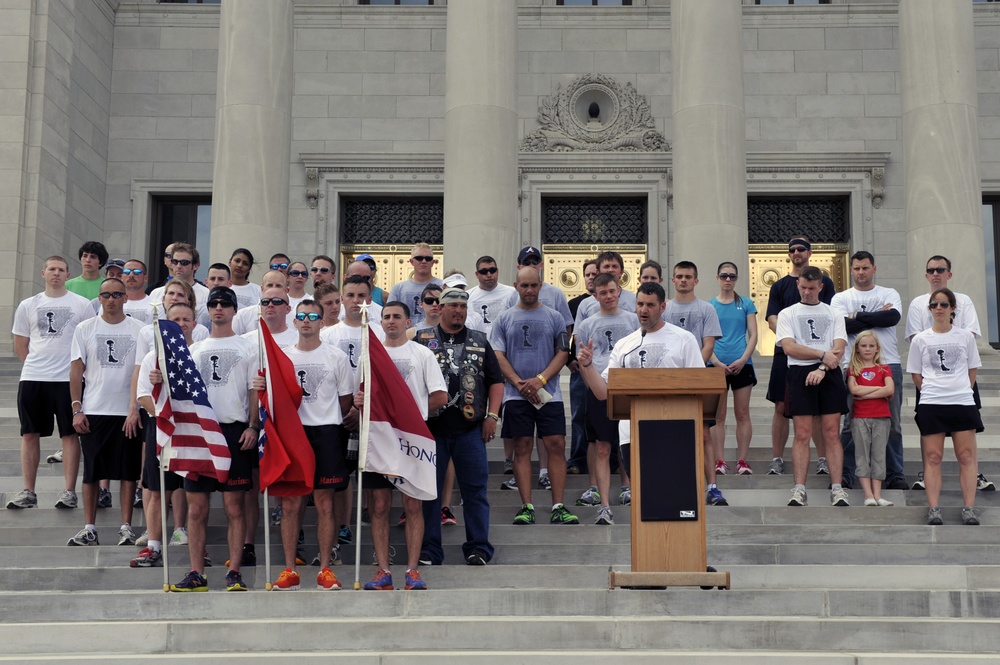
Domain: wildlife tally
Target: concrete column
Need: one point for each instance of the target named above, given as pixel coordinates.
(480, 137)
(941, 144)
(709, 138)
(253, 127)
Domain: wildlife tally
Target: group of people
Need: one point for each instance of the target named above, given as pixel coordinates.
(476, 360)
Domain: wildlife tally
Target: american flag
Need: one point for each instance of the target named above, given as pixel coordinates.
(189, 440)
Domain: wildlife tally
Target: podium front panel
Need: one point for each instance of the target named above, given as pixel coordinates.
(669, 471)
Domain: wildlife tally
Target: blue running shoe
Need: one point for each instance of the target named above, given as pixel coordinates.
(382, 582)
(193, 581)
(345, 537)
(713, 497)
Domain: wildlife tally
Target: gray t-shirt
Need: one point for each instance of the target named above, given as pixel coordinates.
(606, 330)
(698, 317)
(589, 307)
(409, 292)
(527, 338)
(551, 297)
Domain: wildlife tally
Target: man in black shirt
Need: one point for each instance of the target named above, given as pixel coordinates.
(577, 462)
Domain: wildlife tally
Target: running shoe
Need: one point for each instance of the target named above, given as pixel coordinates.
(918, 484)
(509, 484)
(345, 536)
(327, 581)
(142, 540)
(799, 497)
(23, 499)
(573, 470)
(604, 516)
(382, 582)
(721, 467)
(562, 516)
(970, 516)
(984, 485)
(713, 497)
(288, 580)
(193, 581)
(777, 467)
(590, 497)
(137, 500)
(126, 536)
(234, 581)
(477, 558)
(413, 581)
(276, 516)
(625, 496)
(67, 499)
(822, 468)
(543, 482)
(55, 458)
(508, 467)
(206, 559)
(147, 558)
(447, 517)
(180, 536)
(526, 515)
(83, 538)
(934, 517)
(743, 469)
(248, 558)
(884, 503)
(871, 502)
(838, 497)
(334, 557)
(104, 499)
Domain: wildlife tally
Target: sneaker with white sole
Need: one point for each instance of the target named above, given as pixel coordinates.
(625, 496)
(142, 540)
(934, 517)
(83, 538)
(147, 558)
(970, 516)
(605, 516)
(984, 485)
(67, 499)
(799, 497)
(508, 467)
(743, 469)
(884, 503)
(544, 482)
(23, 499)
(838, 497)
(180, 536)
(918, 484)
(126, 536)
(104, 499)
(777, 467)
(55, 458)
(822, 468)
(721, 468)
(590, 497)
(509, 484)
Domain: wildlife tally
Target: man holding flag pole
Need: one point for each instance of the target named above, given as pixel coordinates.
(399, 438)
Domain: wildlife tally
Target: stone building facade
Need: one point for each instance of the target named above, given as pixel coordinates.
(503, 117)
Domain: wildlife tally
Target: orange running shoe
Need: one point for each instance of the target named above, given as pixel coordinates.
(327, 581)
(288, 580)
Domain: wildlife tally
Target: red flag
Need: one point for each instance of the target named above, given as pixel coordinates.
(287, 462)
(399, 443)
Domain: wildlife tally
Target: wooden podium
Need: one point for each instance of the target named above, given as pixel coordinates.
(667, 408)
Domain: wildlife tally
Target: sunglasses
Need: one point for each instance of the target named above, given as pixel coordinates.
(132, 271)
(181, 262)
(728, 276)
(212, 304)
(323, 270)
(939, 271)
(279, 266)
(115, 295)
(168, 255)
(487, 271)
(302, 316)
(532, 261)
(277, 302)
(430, 301)
(298, 273)
(937, 304)
(798, 250)
(422, 258)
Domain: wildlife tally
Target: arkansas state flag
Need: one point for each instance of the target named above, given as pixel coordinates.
(287, 462)
(399, 443)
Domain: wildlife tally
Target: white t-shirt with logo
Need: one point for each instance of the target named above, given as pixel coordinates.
(815, 326)
(348, 340)
(848, 303)
(490, 304)
(420, 370)
(944, 361)
(140, 310)
(108, 353)
(919, 317)
(200, 297)
(324, 376)
(145, 342)
(49, 324)
(227, 366)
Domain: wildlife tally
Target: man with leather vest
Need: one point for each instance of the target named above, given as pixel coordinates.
(463, 426)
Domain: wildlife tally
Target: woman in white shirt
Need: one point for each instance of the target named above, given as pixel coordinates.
(943, 361)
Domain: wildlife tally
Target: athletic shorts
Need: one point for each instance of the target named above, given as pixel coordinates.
(151, 465)
(107, 453)
(240, 465)
(345, 444)
(331, 456)
(746, 377)
(830, 396)
(776, 382)
(376, 481)
(947, 418)
(599, 426)
(520, 418)
(39, 401)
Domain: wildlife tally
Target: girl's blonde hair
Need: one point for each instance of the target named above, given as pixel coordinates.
(856, 362)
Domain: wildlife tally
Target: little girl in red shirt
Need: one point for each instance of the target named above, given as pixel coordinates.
(870, 383)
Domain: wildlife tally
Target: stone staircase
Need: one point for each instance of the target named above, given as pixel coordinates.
(822, 585)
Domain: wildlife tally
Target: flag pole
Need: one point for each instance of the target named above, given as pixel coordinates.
(163, 483)
(366, 377)
(261, 358)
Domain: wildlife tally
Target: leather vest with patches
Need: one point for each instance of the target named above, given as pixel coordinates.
(464, 367)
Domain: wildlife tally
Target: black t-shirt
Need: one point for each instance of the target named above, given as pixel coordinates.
(574, 303)
(785, 293)
(451, 419)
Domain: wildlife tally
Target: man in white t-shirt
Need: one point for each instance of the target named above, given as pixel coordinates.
(274, 309)
(491, 297)
(43, 330)
(103, 353)
(813, 336)
(867, 306)
(185, 262)
(362, 269)
(139, 305)
(420, 371)
(248, 318)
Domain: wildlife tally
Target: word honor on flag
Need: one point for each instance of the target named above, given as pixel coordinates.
(189, 441)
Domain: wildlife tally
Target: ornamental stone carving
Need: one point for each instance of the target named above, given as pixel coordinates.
(595, 113)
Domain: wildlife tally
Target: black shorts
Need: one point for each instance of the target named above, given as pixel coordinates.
(625, 454)
(947, 418)
(107, 453)
(331, 456)
(376, 481)
(345, 444)
(830, 396)
(520, 418)
(599, 426)
(240, 465)
(151, 465)
(776, 382)
(746, 377)
(38, 401)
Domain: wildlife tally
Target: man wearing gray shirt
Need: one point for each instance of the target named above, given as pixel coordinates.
(422, 260)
